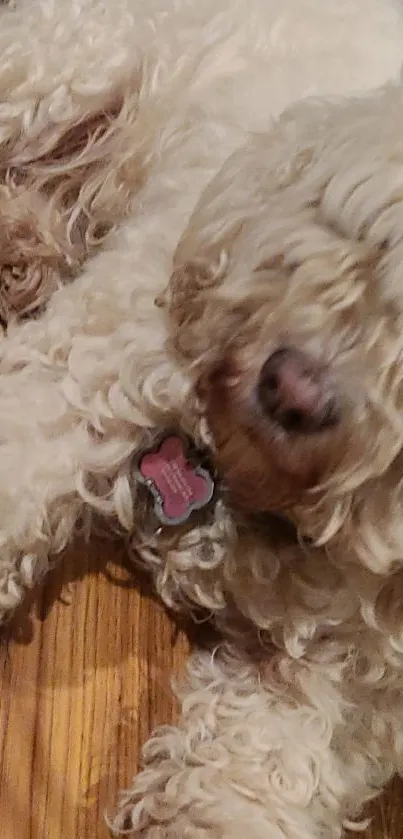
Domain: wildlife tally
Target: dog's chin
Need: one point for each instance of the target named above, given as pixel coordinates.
(264, 468)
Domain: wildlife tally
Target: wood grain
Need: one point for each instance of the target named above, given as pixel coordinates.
(84, 678)
(82, 683)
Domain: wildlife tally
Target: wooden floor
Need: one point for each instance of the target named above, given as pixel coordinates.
(84, 678)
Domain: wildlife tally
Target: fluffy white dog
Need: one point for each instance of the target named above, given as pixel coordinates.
(246, 293)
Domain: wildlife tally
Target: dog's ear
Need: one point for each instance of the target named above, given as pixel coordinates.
(189, 301)
(198, 312)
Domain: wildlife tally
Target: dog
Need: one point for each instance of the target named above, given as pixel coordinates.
(201, 236)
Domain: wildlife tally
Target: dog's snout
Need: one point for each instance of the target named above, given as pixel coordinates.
(297, 393)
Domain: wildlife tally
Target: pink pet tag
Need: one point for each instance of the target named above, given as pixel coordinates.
(178, 487)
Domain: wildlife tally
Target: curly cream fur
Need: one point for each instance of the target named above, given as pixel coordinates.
(155, 137)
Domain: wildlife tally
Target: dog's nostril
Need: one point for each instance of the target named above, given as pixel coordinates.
(270, 374)
(292, 420)
(271, 382)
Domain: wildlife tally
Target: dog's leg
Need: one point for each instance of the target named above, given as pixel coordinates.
(78, 387)
(253, 756)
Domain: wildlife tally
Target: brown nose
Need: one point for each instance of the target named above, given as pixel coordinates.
(297, 393)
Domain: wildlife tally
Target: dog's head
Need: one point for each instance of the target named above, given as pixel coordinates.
(287, 302)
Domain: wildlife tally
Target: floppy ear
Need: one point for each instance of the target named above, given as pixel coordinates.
(237, 195)
(203, 257)
(192, 307)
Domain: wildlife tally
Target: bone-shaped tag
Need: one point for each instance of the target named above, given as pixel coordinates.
(178, 487)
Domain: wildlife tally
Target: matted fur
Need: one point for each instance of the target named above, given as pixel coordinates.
(269, 230)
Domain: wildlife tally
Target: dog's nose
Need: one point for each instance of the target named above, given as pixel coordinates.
(297, 393)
